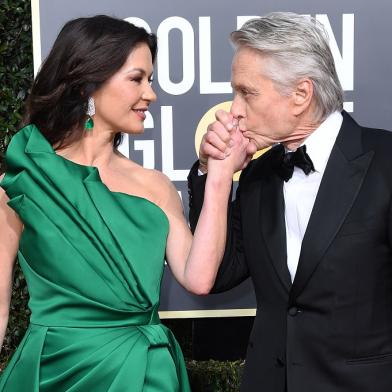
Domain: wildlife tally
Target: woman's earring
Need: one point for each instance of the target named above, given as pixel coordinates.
(89, 124)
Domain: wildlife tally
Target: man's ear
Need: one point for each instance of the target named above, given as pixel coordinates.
(302, 96)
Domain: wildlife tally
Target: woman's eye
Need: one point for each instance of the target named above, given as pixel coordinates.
(136, 80)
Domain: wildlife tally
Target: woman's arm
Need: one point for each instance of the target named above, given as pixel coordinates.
(195, 262)
(10, 230)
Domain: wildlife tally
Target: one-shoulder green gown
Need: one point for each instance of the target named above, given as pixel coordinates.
(93, 260)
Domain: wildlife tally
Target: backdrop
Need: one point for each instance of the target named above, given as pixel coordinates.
(192, 80)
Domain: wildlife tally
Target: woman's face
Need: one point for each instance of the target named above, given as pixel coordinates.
(121, 102)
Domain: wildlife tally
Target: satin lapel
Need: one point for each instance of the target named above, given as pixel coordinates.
(273, 225)
(338, 190)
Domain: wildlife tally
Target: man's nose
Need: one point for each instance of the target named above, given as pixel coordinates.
(237, 108)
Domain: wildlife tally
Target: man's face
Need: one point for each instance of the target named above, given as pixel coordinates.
(265, 115)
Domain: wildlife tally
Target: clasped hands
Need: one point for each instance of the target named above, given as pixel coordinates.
(224, 147)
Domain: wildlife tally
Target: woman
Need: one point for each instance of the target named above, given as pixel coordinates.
(91, 228)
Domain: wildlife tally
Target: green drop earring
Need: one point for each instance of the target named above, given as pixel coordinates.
(89, 124)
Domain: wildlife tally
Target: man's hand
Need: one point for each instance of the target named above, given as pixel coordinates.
(236, 159)
(221, 137)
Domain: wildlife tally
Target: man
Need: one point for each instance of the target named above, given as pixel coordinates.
(315, 238)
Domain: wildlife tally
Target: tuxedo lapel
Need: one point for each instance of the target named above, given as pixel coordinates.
(272, 220)
(342, 180)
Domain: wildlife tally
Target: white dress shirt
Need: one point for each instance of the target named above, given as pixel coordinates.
(301, 190)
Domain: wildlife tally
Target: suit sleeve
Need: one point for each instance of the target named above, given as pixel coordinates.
(390, 225)
(233, 269)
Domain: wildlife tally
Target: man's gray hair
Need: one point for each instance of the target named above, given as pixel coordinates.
(295, 47)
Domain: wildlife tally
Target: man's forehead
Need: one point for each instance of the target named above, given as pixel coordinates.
(244, 80)
(244, 65)
(247, 59)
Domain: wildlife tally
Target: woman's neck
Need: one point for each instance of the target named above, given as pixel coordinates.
(95, 148)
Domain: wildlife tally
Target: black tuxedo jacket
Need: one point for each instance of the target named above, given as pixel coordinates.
(331, 329)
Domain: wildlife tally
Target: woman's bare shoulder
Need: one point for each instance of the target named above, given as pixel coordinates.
(157, 182)
(149, 183)
(157, 187)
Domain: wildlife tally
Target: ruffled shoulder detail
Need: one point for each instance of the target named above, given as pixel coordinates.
(54, 195)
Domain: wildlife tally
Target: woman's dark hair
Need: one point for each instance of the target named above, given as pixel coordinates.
(86, 53)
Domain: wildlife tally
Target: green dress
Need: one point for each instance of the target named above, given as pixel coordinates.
(93, 261)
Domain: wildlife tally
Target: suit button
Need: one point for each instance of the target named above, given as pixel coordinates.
(280, 362)
(293, 311)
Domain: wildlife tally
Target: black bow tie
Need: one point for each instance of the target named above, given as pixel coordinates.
(299, 158)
